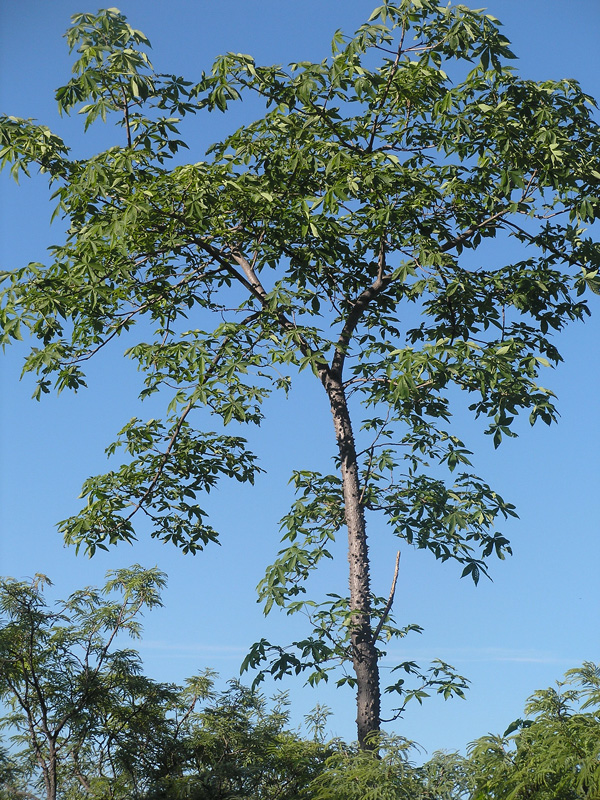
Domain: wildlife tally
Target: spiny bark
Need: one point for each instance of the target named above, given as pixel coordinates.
(364, 653)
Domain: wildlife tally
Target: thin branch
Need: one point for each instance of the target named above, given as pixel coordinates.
(220, 257)
(371, 451)
(178, 426)
(424, 48)
(32, 724)
(252, 282)
(381, 281)
(390, 601)
(126, 317)
(393, 71)
(79, 773)
(384, 49)
(320, 112)
(125, 107)
(415, 149)
(258, 243)
(248, 269)
(127, 123)
(357, 380)
(381, 260)
(529, 184)
(473, 230)
(533, 239)
(188, 712)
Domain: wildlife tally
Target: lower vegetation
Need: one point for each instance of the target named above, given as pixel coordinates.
(81, 720)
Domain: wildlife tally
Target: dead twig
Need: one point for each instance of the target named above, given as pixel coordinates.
(390, 601)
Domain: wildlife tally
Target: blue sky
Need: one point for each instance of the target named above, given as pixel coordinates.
(540, 615)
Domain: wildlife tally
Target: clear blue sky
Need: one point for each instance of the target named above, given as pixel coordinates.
(540, 615)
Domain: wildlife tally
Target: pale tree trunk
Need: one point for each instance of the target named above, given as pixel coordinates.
(364, 652)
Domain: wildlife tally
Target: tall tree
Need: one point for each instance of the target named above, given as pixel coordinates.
(347, 231)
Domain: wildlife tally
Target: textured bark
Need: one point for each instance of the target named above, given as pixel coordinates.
(49, 770)
(364, 653)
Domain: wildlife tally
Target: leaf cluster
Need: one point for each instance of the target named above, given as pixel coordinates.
(553, 753)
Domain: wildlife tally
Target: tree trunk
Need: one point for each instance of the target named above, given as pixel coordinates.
(52, 784)
(364, 653)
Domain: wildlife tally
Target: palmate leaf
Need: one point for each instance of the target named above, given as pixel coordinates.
(168, 469)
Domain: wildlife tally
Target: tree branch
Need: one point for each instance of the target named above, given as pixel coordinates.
(256, 286)
(390, 601)
(472, 230)
(382, 280)
(252, 283)
(393, 71)
(219, 256)
(178, 426)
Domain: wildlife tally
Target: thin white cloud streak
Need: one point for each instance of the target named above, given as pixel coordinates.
(183, 650)
(467, 655)
(479, 655)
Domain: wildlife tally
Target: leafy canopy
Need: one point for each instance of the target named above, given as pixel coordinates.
(77, 709)
(553, 754)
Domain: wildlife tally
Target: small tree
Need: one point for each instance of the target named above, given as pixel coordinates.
(389, 774)
(554, 754)
(82, 717)
(240, 746)
(12, 783)
(345, 232)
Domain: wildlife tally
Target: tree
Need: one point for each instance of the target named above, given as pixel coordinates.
(84, 720)
(11, 778)
(240, 746)
(554, 754)
(371, 186)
